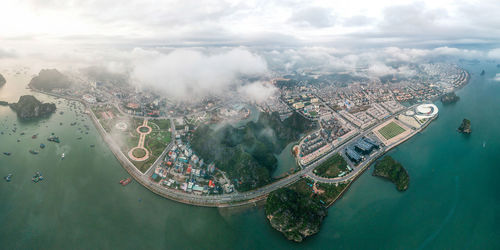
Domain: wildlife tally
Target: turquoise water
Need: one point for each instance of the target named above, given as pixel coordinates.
(452, 202)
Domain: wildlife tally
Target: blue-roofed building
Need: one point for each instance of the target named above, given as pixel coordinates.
(352, 155)
(372, 142)
(363, 147)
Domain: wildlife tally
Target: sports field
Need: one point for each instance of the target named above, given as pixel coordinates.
(391, 130)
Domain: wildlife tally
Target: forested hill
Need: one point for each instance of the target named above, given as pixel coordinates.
(246, 153)
(49, 79)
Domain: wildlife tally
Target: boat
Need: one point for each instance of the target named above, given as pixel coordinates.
(54, 139)
(6, 153)
(484, 144)
(34, 136)
(22, 133)
(8, 177)
(79, 138)
(42, 145)
(62, 156)
(92, 145)
(37, 177)
(33, 152)
(125, 182)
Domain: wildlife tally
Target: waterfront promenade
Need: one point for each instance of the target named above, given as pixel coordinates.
(236, 198)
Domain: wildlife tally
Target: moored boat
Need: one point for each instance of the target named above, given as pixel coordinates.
(8, 177)
(54, 139)
(37, 177)
(124, 182)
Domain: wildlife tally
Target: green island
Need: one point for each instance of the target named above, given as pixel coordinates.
(298, 211)
(49, 79)
(332, 167)
(392, 170)
(2, 80)
(246, 153)
(28, 107)
(465, 127)
(449, 98)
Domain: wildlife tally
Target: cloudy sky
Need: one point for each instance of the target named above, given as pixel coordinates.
(194, 46)
(252, 23)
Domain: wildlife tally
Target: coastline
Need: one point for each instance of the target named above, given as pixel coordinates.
(229, 200)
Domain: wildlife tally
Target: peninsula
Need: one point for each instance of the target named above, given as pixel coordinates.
(392, 170)
(28, 107)
(297, 211)
(193, 158)
(465, 127)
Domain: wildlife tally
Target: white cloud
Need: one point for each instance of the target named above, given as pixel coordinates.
(188, 73)
(257, 91)
(175, 22)
(494, 53)
(497, 77)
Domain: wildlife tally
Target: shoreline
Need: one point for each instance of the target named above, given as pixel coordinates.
(229, 200)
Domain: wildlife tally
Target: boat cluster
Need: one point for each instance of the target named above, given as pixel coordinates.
(37, 177)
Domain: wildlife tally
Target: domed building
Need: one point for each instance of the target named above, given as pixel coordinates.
(426, 111)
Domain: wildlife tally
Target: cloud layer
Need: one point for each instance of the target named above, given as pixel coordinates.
(185, 73)
(412, 23)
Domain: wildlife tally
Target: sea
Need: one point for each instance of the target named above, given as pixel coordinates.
(453, 201)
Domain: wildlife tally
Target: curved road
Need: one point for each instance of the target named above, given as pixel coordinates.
(233, 199)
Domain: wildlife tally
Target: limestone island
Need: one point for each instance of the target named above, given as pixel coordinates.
(449, 98)
(28, 107)
(2, 80)
(465, 127)
(392, 170)
(49, 79)
(298, 211)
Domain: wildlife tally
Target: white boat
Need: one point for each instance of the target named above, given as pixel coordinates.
(62, 156)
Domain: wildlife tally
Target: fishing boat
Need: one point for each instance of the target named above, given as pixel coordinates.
(34, 136)
(8, 177)
(54, 139)
(33, 152)
(6, 153)
(37, 177)
(92, 145)
(125, 182)
(42, 145)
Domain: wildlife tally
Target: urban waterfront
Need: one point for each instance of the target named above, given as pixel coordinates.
(451, 203)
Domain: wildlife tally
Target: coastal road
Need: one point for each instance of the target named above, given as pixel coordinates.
(223, 200)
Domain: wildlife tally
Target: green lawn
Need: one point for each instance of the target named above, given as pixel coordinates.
(391, 130)
(332, 167)
(163, 124)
